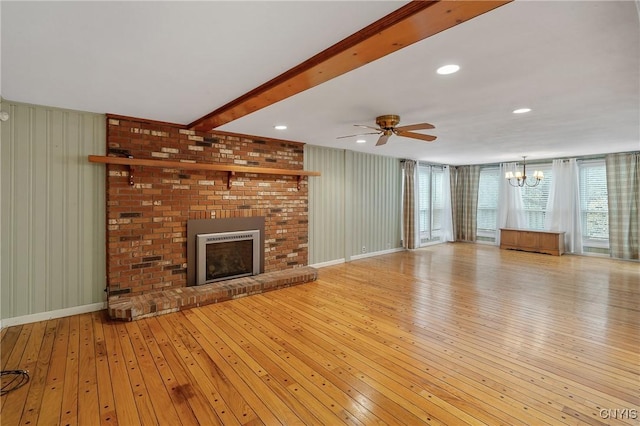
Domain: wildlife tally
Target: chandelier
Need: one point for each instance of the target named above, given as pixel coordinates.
(520, 179)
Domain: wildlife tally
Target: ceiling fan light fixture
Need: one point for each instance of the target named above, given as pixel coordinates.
(521, 110)
(387, 127)
(448, 69)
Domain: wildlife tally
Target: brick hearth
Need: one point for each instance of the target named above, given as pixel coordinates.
(129, 308)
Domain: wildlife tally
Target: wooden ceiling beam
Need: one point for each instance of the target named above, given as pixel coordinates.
(409, 24)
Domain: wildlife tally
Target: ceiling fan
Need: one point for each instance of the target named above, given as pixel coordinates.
(387, 127)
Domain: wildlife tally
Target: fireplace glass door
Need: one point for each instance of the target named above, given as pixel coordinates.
(227, 255)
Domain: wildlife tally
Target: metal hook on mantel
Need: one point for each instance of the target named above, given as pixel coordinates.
(229, 174)
(131, 170)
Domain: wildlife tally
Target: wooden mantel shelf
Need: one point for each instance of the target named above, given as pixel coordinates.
(187, 165)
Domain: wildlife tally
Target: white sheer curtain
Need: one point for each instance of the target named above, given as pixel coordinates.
(447, 212)
(510, 208)
(563, 206)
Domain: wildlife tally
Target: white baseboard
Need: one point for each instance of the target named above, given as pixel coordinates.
(356, 257)
(58, 313)
(376, 253)
(329, 263)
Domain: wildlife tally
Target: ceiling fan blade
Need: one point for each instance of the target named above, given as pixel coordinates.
(413, 135)
(359, 134)
(383, 139)
(368, 127)
(419, 126)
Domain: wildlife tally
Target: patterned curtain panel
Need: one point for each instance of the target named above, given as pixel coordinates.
(623, 187)
(464, 201)
(409, 240)
(453, 173)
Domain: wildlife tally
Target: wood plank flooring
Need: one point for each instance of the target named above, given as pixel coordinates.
(452, 334)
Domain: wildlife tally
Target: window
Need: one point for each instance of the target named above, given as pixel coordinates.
(430, 202)
(486, 215)
(534, 199)
(437, 201)
(594, 204)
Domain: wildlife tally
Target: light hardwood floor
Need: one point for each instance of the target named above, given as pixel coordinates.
(451, 334)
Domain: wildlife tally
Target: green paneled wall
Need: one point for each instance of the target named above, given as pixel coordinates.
(354, 204)
(52, 239)
(52, 250)
(375, 192)
(326, 204)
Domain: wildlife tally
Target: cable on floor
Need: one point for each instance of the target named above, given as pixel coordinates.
(12, 380)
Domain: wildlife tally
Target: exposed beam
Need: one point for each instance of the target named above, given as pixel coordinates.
(409, 24)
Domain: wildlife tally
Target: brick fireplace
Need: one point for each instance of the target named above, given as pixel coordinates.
(147, 221)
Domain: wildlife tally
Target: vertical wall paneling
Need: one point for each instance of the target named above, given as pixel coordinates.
(355, 203)
(326, 203)
(52, 249)
(349, 202)
(376, 189)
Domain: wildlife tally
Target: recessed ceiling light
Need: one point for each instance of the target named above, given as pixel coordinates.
(280, 127)
(361, 141)
(521, 110)
(448, 69)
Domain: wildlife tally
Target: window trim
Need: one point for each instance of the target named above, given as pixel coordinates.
(599, 243)
(485, 233)
(432, 237)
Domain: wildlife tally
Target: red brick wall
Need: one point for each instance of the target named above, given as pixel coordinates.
(146, 230)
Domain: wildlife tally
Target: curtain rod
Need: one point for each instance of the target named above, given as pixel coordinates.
(540, 161)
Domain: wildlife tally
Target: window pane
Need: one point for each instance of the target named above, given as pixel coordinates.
(436, 200)
(596, 225)
(594, 203)
(488, 199)
(430, 202)
(534, 199)
(424, 183)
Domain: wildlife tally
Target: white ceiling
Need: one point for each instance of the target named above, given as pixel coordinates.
(575, 63)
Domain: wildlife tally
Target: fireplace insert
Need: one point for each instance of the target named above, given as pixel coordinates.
(226, 255)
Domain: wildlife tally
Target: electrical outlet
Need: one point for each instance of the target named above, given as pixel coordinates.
(364, 249)
(388, 245)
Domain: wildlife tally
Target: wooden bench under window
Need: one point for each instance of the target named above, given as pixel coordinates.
(549, 242)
